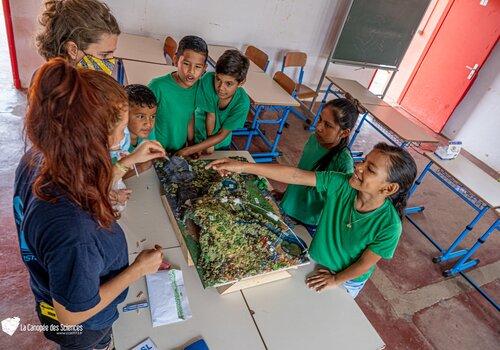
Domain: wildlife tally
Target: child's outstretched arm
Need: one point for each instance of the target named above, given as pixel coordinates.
(277, 172)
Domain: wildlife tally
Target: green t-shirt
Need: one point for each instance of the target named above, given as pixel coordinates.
(337, 247)
(305, 203)
(175, 109)
(232, 117)
(151, 136)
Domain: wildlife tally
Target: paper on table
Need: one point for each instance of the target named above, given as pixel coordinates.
(147, 344)
(167, 297)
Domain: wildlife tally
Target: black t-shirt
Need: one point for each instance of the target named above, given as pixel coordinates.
(66, 252)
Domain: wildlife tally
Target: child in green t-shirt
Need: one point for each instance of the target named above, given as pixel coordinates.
(222, 104)
(176, 94)
(361, 218)
(326, 149)
(142, 114)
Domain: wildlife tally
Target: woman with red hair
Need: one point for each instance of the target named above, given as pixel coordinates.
(74, 250)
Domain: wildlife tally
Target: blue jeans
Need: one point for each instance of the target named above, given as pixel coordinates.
(353, 287)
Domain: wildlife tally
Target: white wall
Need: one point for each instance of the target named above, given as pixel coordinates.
(476, 120)
(274, 26)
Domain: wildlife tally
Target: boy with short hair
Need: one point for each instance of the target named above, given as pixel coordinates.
(142, 114)
(176, 94)
(222, 104)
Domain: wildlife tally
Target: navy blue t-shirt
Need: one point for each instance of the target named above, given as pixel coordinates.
(67, 254)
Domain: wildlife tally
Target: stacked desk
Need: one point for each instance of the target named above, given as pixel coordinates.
(280, 315)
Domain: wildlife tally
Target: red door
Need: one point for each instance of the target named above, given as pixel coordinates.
(466, 36)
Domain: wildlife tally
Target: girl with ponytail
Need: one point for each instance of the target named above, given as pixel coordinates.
(360, 222)
(326, 149)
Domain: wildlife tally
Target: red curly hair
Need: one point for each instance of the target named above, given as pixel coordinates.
(68, 122)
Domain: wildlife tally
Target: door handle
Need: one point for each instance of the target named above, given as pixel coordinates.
(472, 71)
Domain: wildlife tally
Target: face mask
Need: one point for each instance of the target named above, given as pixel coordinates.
(117, 151)
(105, 65)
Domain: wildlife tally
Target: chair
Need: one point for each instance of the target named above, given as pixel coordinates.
(298, 59)
(169, 48)
(259, 57)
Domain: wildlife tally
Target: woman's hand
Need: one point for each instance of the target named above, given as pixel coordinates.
(227, 166)
(148, 261)
(147, 150)
(321, 281)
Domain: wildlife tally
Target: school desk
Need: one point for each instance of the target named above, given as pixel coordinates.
(215, 51)
(476, 188)
(264, 92)
(140, 48)
(142, 72)
(388, 121)
(278, 315)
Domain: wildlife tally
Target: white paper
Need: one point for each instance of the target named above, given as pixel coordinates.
(147, 344)
(168, 300)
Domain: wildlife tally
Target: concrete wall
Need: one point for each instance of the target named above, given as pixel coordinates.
(476, 120)
(274, 26)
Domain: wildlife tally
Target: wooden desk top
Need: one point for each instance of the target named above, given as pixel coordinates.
(399, 124)
(142, 72)
(215, 51)
(263, 90)
(471, 176)
(358, 91)
(140, 48)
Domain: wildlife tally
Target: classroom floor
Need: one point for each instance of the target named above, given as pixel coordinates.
(408, 301)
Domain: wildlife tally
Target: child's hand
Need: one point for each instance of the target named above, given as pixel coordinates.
(322, 280)
(209, 150)
(226, 166)
(119, 196)
(185, 152)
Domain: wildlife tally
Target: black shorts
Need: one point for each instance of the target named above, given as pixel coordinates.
(74, 339)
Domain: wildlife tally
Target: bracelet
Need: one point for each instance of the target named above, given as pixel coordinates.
(122, 167)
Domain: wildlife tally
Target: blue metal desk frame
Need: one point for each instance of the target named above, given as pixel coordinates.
(254, 130)
(451, 253)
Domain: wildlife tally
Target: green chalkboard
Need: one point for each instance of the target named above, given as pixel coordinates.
(378, 32)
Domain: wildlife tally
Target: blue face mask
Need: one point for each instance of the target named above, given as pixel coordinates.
(118, 152)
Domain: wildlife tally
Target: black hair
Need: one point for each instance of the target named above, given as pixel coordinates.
(402, 170)
(193, 43)
(345, 111)
(234, 64)
(140, 95)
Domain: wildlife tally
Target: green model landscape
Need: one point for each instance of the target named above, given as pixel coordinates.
(231, 226)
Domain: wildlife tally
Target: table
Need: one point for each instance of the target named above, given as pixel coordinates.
(143, 72)
(286, 315)
(215, 51)
(140, 48)
(475, 187)
(398, 129)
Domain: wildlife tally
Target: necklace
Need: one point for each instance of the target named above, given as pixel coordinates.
(350, 223)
